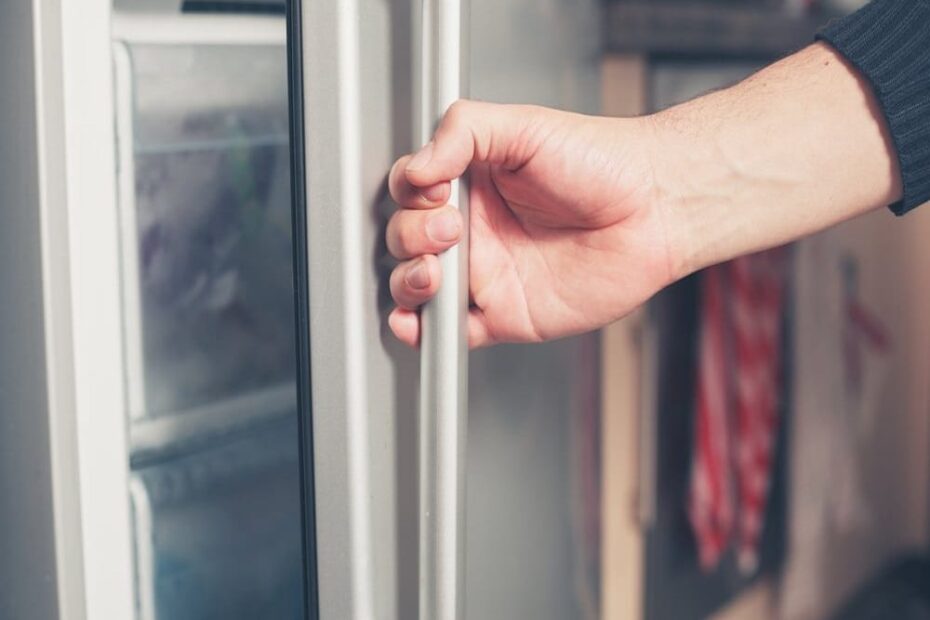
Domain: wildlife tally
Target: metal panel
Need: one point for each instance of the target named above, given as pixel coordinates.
(28, 579)
(521, 529)
(357, 119)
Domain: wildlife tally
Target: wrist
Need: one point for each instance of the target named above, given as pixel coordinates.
(694, 186)
(790, 151)
(652, 152)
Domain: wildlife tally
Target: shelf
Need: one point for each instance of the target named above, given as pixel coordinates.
(158, 438)
(219, 144)
(706, 29)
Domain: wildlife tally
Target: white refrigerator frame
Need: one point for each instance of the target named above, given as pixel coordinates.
(70, 428)
(69, 544)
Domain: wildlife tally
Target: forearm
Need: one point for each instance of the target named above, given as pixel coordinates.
(790, 151)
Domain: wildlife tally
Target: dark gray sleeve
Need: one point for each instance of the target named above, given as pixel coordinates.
(889, 42)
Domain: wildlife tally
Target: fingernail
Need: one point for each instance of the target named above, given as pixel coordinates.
(434, 193)
(421, 158)
(418, 276)
(444, 226)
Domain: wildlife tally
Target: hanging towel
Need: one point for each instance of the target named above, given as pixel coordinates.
(711, 501)
(737, 401)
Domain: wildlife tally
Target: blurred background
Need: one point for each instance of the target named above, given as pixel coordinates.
(605, 481)
(804, 497)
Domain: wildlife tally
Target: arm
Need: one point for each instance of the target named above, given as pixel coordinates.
(798, 147)
(577, 220)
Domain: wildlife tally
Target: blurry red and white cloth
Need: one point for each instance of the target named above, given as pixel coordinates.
(738, 392)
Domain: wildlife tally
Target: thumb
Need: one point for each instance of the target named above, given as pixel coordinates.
(472, 131)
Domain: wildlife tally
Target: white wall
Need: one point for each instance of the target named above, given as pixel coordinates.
(828, 558)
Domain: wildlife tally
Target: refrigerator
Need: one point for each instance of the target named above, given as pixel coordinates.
(202, 412)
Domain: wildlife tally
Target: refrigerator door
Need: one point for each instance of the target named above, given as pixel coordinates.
(530, 518)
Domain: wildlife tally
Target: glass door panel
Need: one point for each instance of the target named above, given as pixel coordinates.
(212, 223)
(209, 322)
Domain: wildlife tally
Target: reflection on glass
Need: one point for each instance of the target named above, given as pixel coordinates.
(222, 540)
(213, 220)
(209, 321)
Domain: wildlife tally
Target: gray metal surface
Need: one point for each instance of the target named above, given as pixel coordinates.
(443, 418)
(358, 117)
(27, 553)
(522, 526)
(520, 529)
(40, 556)
(335, 217)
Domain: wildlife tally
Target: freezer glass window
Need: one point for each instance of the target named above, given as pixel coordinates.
(213, 223)
(205, 217)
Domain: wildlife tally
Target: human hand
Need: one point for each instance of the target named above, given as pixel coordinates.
(576, 220)
(566, 234)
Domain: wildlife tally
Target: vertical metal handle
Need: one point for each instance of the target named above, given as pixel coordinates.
(444, 349)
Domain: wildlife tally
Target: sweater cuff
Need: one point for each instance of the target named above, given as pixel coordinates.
(888, 41)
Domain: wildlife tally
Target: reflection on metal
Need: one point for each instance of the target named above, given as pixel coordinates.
(444, 361)
(332, 51)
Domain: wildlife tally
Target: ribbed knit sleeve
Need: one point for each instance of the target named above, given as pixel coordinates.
(889, 42)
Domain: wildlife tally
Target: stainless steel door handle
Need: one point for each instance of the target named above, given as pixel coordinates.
(444, 347)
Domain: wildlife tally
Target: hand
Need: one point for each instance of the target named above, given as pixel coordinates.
(565, 235)
(576, 220)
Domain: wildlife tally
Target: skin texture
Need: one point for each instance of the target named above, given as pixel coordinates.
(577, 220)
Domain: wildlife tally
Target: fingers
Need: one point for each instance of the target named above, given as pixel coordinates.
(425, 225)
(472, 131)
(410, 196)
(405, 324)
(412, 233)
(415, 282)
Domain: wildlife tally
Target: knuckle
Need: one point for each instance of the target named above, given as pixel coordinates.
(458, 111)
(394, 168)
(392, 237)
(404, 240)
(398, 289)
(395, 181)
(406, 245)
